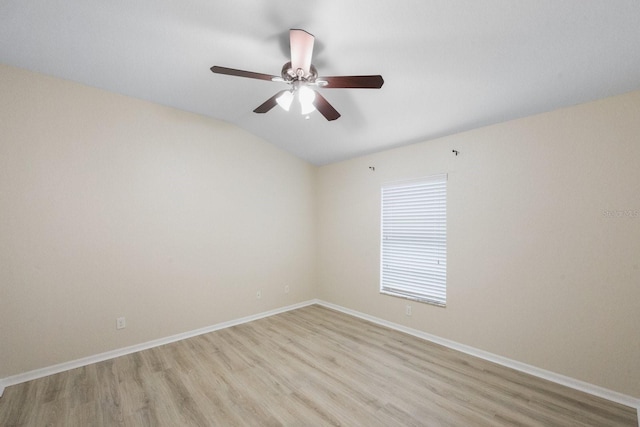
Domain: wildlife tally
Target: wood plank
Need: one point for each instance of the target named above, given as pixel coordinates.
(311, 366)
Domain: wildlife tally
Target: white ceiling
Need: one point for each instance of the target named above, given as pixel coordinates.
(448, 65)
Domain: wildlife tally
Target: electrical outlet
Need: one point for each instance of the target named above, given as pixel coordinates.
(121, 323)
(407, 310)
(286, 289)
(258, 294)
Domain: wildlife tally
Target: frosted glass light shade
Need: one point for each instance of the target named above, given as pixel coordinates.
(306, 97)
(285, 100)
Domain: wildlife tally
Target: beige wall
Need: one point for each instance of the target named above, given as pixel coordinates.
(536, 271)
(112, 206)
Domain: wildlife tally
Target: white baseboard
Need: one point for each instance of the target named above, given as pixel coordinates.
(50, 370)
(602, 392)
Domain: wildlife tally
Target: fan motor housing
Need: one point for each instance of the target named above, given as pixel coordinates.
(291, 75)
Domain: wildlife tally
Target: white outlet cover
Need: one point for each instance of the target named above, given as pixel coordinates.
(121, 323)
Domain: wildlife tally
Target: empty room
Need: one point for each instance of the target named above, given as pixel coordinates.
(284, 213)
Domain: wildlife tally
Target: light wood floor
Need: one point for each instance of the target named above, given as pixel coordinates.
(307, 367)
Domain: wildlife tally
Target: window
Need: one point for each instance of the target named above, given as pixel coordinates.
(413, 260)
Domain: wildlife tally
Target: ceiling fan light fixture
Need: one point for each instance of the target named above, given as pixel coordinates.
(301, 76)
(285, 100)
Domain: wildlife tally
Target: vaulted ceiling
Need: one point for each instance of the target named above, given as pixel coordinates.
(448, 66)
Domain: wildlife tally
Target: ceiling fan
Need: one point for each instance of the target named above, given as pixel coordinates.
(302, 76)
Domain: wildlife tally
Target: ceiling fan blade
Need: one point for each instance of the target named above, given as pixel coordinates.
(353, 82)
(241, 73)
(269, 103)
(325, 108)
(301, 44)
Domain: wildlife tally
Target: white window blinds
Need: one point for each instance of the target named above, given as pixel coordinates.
(414, 239)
